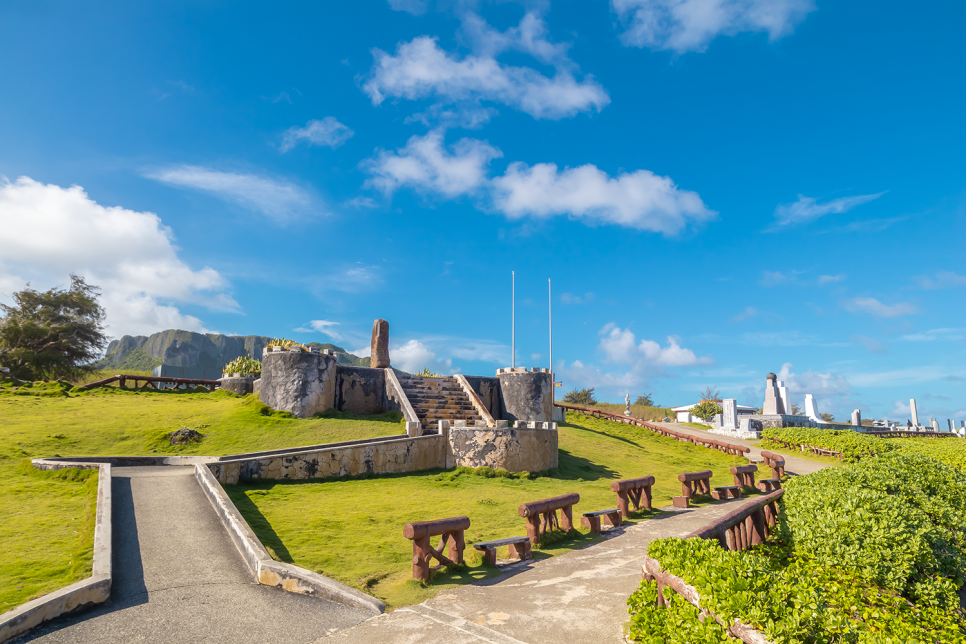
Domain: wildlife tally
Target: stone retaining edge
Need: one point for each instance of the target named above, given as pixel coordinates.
(475, 399)
(393, 386)
(274, 573)
(95, 589)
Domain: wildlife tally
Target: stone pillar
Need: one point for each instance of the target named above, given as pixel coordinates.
(379, 350)
(783, 395)
(811, 409)
(949, 423)
(856, 418)
(773, 402)
(913, 413)
(729, 408)
(300, 382)
(935, 424)
(525, 395)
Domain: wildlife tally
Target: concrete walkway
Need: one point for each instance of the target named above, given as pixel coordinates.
(793, 464)
(579, 596)
(179, 578)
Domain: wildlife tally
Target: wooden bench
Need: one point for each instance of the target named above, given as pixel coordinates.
(744, 475)
(541, 516)
(637, 491)
(726, 492)
(692, 484)
(420, 532)
(519, 548)
(592, 519)
(769, 485)
(776, 462)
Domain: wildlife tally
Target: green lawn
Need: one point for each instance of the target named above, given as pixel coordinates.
(351, 530)
(47, 520)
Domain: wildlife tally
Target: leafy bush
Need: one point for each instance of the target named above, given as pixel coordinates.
(706, 409)
(287, 345)
(243, 365)
(428, 373)
(581, 397)
(872, 552)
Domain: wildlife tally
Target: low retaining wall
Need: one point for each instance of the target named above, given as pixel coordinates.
(270, 572)
(515, 449)
(95, 589)
(393, 456)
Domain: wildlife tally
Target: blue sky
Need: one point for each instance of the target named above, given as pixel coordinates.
(718, 189)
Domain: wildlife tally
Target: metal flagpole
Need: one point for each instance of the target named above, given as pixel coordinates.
(513, 321)
(553, 396)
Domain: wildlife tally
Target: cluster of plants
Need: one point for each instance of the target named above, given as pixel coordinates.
(428, 373)
(706, 409)
(583, 397)
(243, 365)
(855, 446)
(287, 345)
(870, 552)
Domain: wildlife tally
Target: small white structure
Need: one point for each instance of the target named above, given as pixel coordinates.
(811, 409)
(683, 414)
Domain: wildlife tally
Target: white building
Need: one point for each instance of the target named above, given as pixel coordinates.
(683, 414)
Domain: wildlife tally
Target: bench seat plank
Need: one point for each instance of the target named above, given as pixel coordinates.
(483, 545)
(600, 513)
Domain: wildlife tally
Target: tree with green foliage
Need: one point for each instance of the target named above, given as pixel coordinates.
(52, 334)
(796, 410)
(581, 397)
(706, 409)
(645, 401)
(827, 417)
(709, 393)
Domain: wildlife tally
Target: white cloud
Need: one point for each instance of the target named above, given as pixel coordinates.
(426, 165)
(690, 25)
(947, 335)
(808, 209)
(898, 377)
(322, 326)
(568, 298)
(415, 356)
(529, 37)
(415, 7)
(775, 278)
(749, 312)
(639, 199)
(944, 279)
(873, 345)
(328, 132)
(830, 279)
(49, 231)
(833, 392)
(279, 200)
(420, 69)
(877, 309)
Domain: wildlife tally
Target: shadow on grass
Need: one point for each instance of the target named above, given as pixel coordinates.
(572, 468)
(259, 524)
(608, 435)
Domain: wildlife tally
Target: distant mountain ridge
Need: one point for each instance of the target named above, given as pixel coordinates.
(188, 349)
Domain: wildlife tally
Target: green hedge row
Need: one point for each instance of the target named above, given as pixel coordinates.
(870, 552)
(855, 446)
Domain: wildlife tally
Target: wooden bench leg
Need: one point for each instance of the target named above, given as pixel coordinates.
(521, 551)
(614, 519)
(421, 557)
(533, 529)
(489, 555)
(647, 498)
(591, 522)
(622, 502)
(567, 518)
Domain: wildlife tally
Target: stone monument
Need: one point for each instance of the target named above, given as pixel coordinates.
(379, 350)
(627, 402)
(912, 412)
(729, 408)
(773, 402)
(783, 394)
(526, 395)
(298, 381)
(856, 418)
(811, 409)
(935, 424)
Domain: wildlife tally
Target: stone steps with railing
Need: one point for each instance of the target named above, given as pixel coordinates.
(436, 399)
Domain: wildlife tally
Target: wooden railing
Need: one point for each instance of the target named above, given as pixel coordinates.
(122, 379)
(711, 443)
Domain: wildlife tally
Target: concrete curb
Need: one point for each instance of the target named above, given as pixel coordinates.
(79, 595)
(274, 573)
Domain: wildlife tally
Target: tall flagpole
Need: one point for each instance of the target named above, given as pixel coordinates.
(513, 322)
(550, 324)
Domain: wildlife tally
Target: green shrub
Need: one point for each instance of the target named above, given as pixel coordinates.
(243, 365)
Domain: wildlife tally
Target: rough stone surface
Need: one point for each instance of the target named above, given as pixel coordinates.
(379, 356)
(299, 382)
(361, 390)
(526, 395)
(257, 386)
(488, 389)
(382, 457)
(242, 386)
(515, 449)
(184, 436)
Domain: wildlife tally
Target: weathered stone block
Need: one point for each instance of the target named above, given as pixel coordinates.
(526, 396)
(379, 355)
(299, 382)
(240, 385)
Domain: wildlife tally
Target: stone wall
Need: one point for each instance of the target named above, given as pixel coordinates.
(376, 457)
(241, 385)
(488, 389)
(526, 395)
(360, 390)
(300, 382)
(516, 449)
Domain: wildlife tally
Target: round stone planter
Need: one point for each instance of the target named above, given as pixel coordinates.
(238, 384)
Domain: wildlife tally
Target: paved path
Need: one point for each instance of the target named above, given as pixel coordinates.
(179, 578)
(579, 596)
(793, 464)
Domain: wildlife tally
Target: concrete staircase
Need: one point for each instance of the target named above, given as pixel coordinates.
(436, 399)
